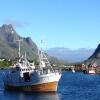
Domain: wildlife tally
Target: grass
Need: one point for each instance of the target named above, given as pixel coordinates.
(5, 64)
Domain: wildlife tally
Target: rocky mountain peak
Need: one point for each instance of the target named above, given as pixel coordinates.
(9, 45)
(8, 28)
(29, 40)
(95, 57)
(96, 54)
(8, 34)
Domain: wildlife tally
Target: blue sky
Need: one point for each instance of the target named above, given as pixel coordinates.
(60, 23)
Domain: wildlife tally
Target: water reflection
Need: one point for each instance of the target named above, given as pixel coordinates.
(29, 96)
(1, 94)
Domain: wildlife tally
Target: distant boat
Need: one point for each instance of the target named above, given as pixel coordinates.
(91, 71)
(73, 70)
(25, 76)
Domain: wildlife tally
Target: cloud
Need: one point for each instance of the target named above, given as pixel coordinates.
(16, 23)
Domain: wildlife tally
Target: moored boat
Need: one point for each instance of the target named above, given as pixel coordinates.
(90, 69)
(73, 69)
(25, 76)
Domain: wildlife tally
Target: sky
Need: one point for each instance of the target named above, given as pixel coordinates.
(70, 24)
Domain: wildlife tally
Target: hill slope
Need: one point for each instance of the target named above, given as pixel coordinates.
(9, 44)
(95, 57)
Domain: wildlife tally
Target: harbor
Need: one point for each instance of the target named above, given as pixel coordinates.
(50, 50)
(72, 86)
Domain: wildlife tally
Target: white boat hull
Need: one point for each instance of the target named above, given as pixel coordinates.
(40, 83)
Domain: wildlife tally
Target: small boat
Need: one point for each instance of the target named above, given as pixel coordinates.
(73, 70)
(91, 71)
(24, 76)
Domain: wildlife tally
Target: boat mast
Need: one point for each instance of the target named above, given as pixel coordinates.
(25, 57)
(40, 55)
(19, 40)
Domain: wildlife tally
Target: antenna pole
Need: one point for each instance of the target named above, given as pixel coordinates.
(41, 51)
(25, 56)
(19, 47)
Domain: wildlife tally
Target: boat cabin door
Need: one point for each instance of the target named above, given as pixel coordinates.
(26, 77)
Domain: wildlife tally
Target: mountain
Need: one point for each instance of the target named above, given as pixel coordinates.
(94, 58)
(9, 44)
(70, 55)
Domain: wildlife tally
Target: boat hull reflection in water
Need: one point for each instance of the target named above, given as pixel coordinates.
(30, 96)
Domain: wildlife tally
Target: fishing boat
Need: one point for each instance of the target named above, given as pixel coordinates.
(25, 76)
